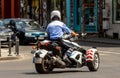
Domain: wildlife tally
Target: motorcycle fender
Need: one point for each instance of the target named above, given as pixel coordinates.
(43, 53)
(37, 60)
(90, 54)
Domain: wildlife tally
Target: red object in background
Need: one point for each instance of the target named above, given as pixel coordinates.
(10, 8)
(16, 11)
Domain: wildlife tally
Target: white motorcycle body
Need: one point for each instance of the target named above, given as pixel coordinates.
(74, 55)
(42, 53)
(77, 55)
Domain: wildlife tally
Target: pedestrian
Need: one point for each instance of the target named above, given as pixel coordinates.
(12, 26)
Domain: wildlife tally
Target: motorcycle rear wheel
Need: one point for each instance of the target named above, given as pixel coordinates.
(45, 66)
(94, 65)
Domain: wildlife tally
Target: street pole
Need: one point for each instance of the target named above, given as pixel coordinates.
(83, 22)
(100, 18)
(10, 42)
(17, 46)
(0, 47)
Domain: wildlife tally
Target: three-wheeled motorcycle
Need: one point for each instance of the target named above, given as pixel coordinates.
(46, 56)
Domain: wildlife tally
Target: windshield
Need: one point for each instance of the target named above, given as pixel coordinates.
(19, 23)
(34, 24)
(31, 23)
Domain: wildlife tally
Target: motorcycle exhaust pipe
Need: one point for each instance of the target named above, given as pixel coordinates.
(59, 63)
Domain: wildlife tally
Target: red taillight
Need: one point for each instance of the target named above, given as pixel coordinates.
(43, 44)
(47, 44)
(39, 44)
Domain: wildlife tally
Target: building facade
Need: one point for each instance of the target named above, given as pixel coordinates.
(40, 9)
(112, 24)
(9, 8)
(105, 13)
(84, 16)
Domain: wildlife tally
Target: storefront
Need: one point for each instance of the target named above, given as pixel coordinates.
(81, 15)
(85, 15)
(40, 9)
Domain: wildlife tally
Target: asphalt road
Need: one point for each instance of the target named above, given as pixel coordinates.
(24, 68)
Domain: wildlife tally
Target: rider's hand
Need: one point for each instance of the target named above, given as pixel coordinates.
(74, 34)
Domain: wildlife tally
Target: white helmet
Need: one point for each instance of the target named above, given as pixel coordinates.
(55, 13)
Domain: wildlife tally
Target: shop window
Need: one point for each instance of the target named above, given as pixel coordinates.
(116, 11)
(89, 12)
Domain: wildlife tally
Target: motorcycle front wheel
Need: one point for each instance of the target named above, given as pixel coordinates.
(45, 66)
(94, 65)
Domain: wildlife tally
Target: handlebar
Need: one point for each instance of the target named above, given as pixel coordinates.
(70, 37)
(73, 38)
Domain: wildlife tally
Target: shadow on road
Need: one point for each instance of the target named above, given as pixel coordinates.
(56, 72)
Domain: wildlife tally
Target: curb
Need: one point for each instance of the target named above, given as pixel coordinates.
(105, 42)
(11, 57)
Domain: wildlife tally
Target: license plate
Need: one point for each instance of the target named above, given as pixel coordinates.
(41, 38)
(37, 60)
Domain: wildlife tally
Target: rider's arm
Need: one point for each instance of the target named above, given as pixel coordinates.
(66, 29)
(69, 31)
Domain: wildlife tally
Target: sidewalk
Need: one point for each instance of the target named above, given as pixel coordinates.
(6, 56)
(101, 40)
